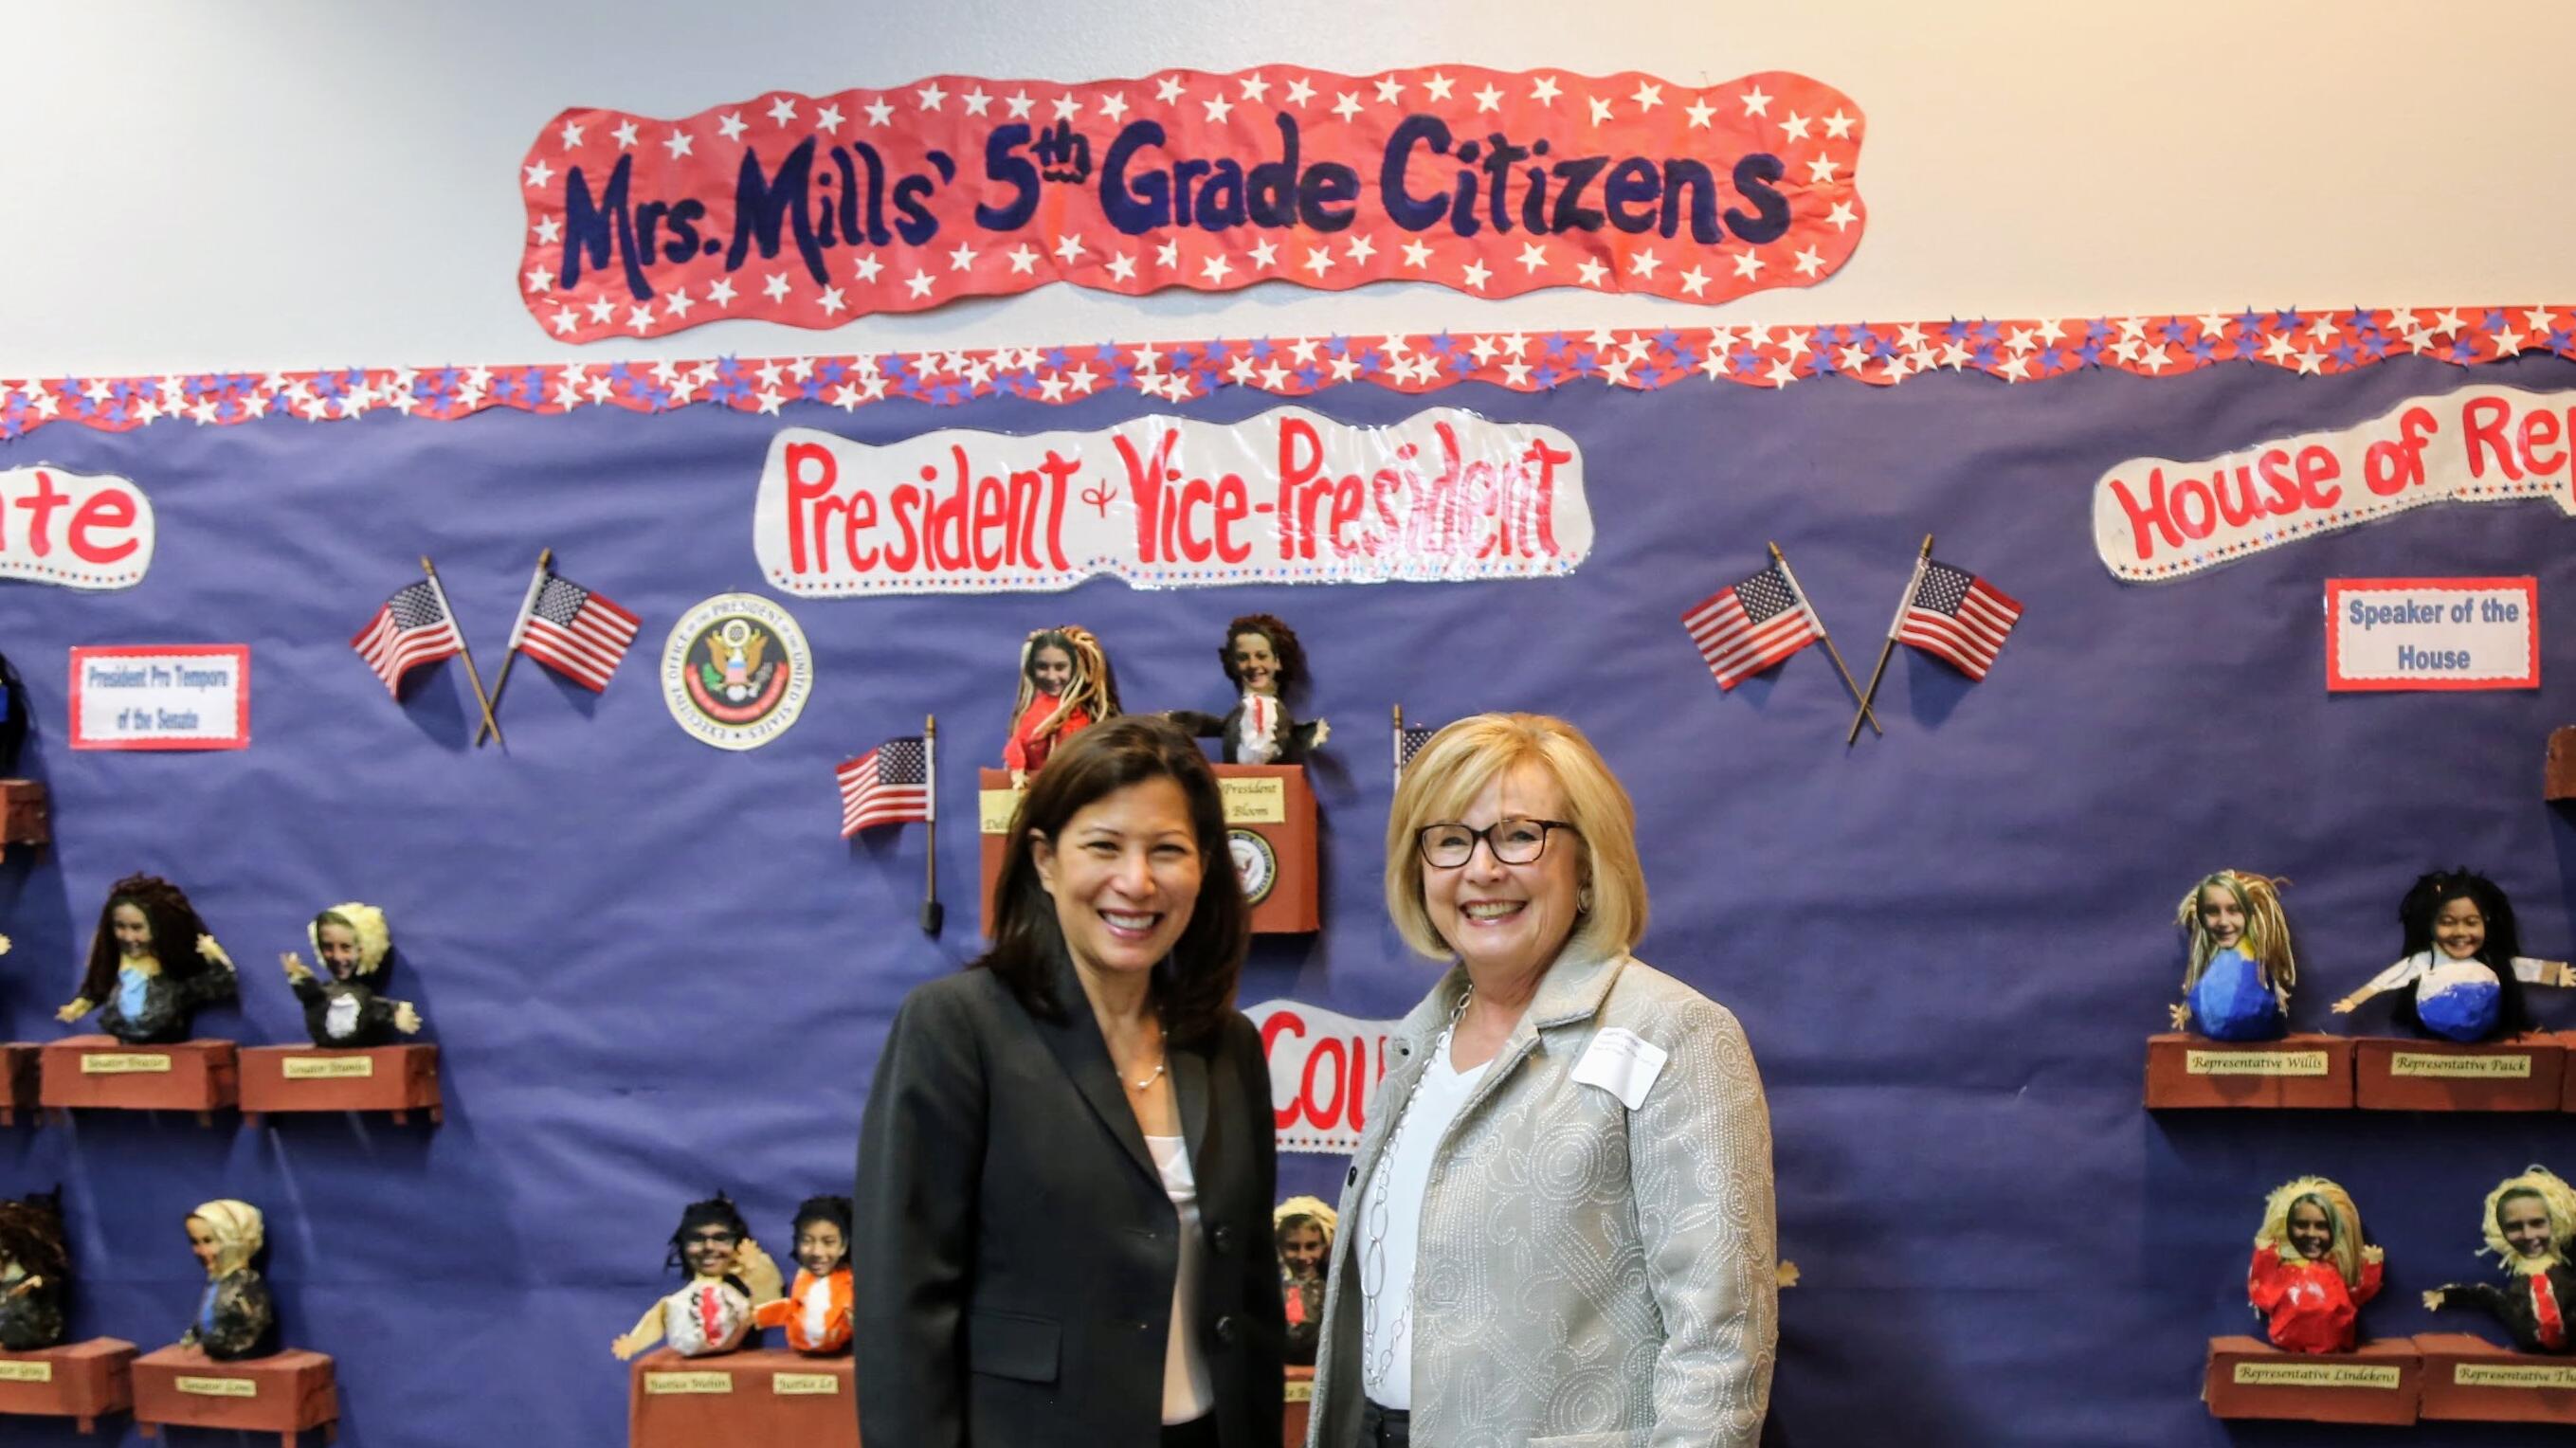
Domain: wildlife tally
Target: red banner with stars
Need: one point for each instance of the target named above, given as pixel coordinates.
(814, 210)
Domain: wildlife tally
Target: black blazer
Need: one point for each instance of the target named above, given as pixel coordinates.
(1014, 1249)
(1294, 740)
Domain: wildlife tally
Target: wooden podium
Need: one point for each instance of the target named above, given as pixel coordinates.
(82, 1381)
(18, 1072)
(2378, 1382)
(2521, 1073)
(283, 1393)
(1270, 824)
(398, 1079)
(104, 1072)
(1300, 1402)
(2187, 1072)
(755, 1399)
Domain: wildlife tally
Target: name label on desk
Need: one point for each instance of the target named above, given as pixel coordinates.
(124, 1063)
(2255, 1063)
(1255, 801)
(993, 809)
(323, 1068)
(2511, 1375)
(1301, 1391)
(805, 1385)
(660, 1383)
(2316, 1375)
(23, 1372)
(220, 1387)
(2466, 1068)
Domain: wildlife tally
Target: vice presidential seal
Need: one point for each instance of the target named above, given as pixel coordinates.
(736, 671)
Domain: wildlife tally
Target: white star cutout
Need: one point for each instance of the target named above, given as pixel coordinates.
(776, 286)
(678, 144)
(1795, 127)
(831, 301)
(1263, 253)
(1020, 105)
(1810, 262)
(541, 280)
(625, 134)
(1122, 267)
(720, 291)
(962, 258)
(1694, 282)
(1591, 271)
(1348, 105)
(1254, 88)
(1545, 92)
(1533, 256)
(1416, 253)
(1362, 248)
(1838, 126)
(1746, 264)
(1068, 249)
(879, 112)
(1644, 263)
(1489, 99)
(1066, 107)
(539, 174)
(977, 103)
(1217, 107)
(1475, 274)
(829, 118)
(1821, 170)
(1320, 260)
(1168, 89)
(1024, 259)
(1699, 112)
(1217, 268)
(867, 266)
(1112, 106)
(1648, 96)
(1842, 216)
(1301, 91)
(1388, 88)
(1168, 254)
(920, 283)
(571, 134)
(1439, 85)
(1600, 109)
(1755, 102)
(732, 126)
(782, 110)
(931, 96)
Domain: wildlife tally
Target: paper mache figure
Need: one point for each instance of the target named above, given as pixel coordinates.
(1266, 664)
(2237, 987)
(2462, 973)
(35, 1272)
(2313, 1268)
(343, 1007)
(729, 1278)
(152, 965)
(2530, 1222)
(235, 1318)
(816, 1311)
(1066, 686)
(1303, 1228)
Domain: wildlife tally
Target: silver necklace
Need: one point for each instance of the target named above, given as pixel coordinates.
(1376, 1361)
(1159, 1066)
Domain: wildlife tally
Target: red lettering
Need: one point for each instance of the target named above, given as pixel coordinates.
(2249, 507)
(109, 508)
(2539, 429)
(945, 542)
(811, 473)
(992, 505)
(1059, 472)
(2318, 466)
(1542, 502)
(1323, 1116)
(861, 513)
(1359, 1080)
(1195, 495)
(1145, 485)
(1294, 473)
(1285, 1023)
(1349, 497)
(2482, 419)
(42, 504)
(1233, 505)
(2274, 466)
(2185, 492)
(2153, 512)
(901, 503)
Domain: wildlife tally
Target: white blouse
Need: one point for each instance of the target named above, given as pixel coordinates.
(1391, 1223)
(1188, 1394)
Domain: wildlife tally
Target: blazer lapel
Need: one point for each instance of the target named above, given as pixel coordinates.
(1076, 1045)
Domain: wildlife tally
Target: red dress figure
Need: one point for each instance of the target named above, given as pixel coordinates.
(2312, 1271)
(1065, 687)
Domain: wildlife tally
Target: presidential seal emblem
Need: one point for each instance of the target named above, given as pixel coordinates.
(1256, 865)
(736, 671)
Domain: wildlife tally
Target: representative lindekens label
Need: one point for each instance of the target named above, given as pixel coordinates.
(325, 1068)
(2464, 1068)
(124, 1063)
(2255, 1063)
(805, 1385)
(688, 1382)
(2315, 1375)
(220, 1387)
(25, 1372)
(1255, 801)
(2511, 1375)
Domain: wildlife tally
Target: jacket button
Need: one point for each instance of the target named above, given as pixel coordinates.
(1226, 1331)
(1223, 1238)
(1353, 1179)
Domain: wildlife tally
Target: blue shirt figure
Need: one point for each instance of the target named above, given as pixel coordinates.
(2230, 1002)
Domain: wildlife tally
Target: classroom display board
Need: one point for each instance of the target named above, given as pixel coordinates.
(654, 968)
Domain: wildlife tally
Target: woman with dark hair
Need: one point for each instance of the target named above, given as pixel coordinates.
(1066, 686)
(1264, 661)
(1066, 1164)
(2463, 959)
(151, 965)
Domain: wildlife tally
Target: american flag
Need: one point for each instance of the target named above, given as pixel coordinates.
(888, 785)
(1409, 739)
(412, 628)
(1954, 615)
(573, 631)
(1745, 629)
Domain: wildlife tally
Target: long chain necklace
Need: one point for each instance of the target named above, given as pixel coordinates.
(1377, 1361)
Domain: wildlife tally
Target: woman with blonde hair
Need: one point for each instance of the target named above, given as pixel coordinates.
(1561, 1212)
(2312, 1268)
(2237, 986)
(235, 1317)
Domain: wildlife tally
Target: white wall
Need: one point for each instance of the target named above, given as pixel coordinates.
(192, 185)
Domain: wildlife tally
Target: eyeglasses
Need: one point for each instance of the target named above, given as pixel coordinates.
(1513, 840)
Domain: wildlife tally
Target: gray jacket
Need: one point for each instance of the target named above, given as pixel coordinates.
(1588, 1276)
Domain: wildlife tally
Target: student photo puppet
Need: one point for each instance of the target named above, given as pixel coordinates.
(35, 1272)
(816, 1311)
(1303, 1227)
(2312, 1268)
(1266, 665)
(2530, 1222)
(2237, 986)
(152, 965)
(1066, 686)
(2462, 970)
(235, 1317)
(342, 1008)
(729, 1277)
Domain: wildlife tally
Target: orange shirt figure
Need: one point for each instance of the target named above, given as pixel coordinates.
(816, 1311)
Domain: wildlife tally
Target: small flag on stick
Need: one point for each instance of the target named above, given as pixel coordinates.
(573, 631)
(888, 785)
(1955, 616)
(409, 629)
(1409, 739)
(1751, 625)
